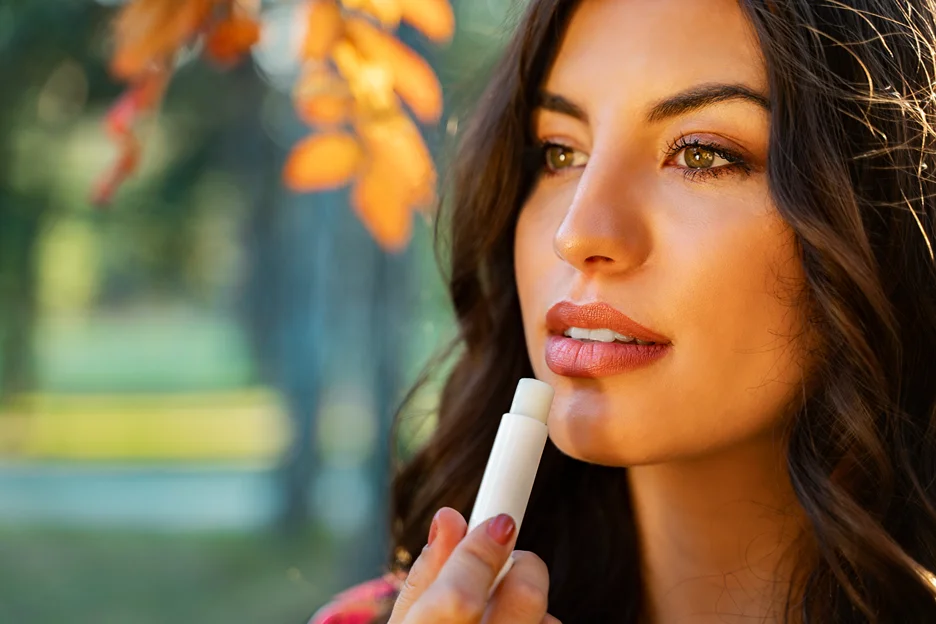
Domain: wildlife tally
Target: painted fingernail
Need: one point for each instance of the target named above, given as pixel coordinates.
(501, 528)
(433, 529)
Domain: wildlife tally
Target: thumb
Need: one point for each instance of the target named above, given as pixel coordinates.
(447, 530)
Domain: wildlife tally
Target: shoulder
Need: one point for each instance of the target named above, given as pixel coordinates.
(361, 604)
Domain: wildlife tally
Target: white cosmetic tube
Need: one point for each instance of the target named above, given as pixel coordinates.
(515, 456)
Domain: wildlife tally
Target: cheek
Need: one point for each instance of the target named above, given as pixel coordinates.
(741, 355)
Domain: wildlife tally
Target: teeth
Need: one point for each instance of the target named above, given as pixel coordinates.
(578, 333)
(600, 335)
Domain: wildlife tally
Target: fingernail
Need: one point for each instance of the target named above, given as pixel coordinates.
(501, 528)
(433, 529)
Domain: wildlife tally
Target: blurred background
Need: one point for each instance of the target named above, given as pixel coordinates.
(197, 382)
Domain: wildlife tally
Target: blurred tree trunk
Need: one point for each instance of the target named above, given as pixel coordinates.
(289, 249)
(307, 255)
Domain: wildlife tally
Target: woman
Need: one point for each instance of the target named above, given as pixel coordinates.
(740, 197)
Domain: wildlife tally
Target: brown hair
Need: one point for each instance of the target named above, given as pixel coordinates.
(851, 165)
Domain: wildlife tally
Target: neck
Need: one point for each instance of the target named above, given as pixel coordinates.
(718, 536)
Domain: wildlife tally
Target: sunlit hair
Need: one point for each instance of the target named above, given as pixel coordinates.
(851, 169)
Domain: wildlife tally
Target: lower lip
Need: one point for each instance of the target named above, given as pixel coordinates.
(575, 358)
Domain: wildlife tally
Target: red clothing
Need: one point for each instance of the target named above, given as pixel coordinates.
(361, 604)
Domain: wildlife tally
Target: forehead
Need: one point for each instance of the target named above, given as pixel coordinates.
(629, 52)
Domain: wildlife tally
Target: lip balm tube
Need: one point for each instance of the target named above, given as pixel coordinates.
(515, 456)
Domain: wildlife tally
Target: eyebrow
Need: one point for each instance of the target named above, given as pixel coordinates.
(691, 99)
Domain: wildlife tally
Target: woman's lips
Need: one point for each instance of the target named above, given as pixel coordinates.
(566, 314)
(580, 358)
(576, 358)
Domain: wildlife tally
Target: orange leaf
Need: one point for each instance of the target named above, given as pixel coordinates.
(378, 199)
(413, 78)
(230, 39)
(325, 25)
(321, 97)
(348, 60)
(322, 161)
(324, 109)
(148, 33)
(433, 18)
(395, 143)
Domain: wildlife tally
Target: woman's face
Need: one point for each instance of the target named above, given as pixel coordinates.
(652, 219)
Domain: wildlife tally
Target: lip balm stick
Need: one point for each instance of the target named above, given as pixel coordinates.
(515, 456)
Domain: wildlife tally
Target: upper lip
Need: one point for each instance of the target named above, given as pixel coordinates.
(566, 314)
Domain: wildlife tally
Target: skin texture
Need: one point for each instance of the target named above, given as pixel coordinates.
(706, 262)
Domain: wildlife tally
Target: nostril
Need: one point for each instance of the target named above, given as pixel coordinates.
(597, 260)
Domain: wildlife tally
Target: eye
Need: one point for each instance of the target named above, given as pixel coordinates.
(700, 157)
(557, 157)
(701, 161)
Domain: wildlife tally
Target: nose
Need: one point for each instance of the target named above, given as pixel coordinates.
(605, 229)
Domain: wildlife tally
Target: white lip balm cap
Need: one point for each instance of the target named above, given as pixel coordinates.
(532, 399)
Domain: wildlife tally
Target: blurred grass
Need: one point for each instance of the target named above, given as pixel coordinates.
(106, 577)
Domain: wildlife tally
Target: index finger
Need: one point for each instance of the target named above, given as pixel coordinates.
(460, 592)
(447, 530)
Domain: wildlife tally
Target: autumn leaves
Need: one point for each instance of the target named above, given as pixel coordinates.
(356, 78)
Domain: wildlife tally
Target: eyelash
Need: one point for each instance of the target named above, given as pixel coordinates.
(736, 163)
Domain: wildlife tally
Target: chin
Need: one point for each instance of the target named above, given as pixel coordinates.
(584, 426)
(620, 420)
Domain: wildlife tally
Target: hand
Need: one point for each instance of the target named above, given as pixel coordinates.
(450, 580)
